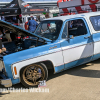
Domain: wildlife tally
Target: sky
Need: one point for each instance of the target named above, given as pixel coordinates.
(26, 0)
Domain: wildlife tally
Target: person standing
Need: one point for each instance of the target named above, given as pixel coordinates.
(26, 24)
(31, 25)
(7, 35)
(2, 48)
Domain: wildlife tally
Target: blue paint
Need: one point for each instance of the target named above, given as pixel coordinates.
(59, 68)
(95, 57)
(15, 81)
(96, 37)
(8, 71)
(73, 64)
(78, 62)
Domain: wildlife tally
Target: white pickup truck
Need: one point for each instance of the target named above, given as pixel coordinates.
(64, 42)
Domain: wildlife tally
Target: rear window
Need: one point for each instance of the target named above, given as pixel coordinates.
(95, 20)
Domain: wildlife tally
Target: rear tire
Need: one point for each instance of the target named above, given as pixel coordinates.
(32, 74)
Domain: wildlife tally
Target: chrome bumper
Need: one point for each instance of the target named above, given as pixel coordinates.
(6, 82)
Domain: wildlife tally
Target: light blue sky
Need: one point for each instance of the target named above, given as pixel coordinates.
(26, 0)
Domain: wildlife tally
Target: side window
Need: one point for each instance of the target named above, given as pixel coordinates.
(95, 20)
(76, 28)
(64, 34)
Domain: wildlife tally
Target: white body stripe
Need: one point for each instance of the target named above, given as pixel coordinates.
(56, 58)
(75, 53)
(96, 48)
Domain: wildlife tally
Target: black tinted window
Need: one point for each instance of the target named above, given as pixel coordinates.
(75, 28)
(95, 20)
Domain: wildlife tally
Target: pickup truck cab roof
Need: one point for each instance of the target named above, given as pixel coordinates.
(86, 16)
(63, 18)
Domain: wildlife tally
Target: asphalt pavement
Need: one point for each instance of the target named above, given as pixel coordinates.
(79, 83)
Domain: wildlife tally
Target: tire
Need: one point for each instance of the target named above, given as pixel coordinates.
(32, 74)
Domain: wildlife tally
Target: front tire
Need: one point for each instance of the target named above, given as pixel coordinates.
(32, 74)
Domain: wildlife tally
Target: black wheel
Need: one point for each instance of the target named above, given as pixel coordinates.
(32, 74)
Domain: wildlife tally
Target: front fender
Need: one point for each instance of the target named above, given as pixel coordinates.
(30, 56)
(48, 57)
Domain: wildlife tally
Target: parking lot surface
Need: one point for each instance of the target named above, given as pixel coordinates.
(79, 83)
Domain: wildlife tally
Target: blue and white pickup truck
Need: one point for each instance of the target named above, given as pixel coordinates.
(58, 43)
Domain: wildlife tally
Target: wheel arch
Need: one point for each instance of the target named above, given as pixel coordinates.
(47, 63)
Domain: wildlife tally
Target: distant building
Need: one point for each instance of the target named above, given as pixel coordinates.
(51, 4)
(44, 3)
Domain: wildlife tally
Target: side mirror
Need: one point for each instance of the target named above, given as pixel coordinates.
(70, 37)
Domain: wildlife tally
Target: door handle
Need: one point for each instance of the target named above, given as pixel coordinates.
(87, 37)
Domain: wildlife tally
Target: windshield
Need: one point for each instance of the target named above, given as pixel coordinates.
(49, 29)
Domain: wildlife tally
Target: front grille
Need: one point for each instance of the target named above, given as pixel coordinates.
(1, 65)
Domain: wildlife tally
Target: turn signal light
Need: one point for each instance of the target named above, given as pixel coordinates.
(15, 70)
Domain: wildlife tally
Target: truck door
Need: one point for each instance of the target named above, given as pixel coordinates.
(76, 43)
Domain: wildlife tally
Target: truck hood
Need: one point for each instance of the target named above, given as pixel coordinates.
(18, 30)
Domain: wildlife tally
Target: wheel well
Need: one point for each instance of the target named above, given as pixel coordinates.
(49, 65)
